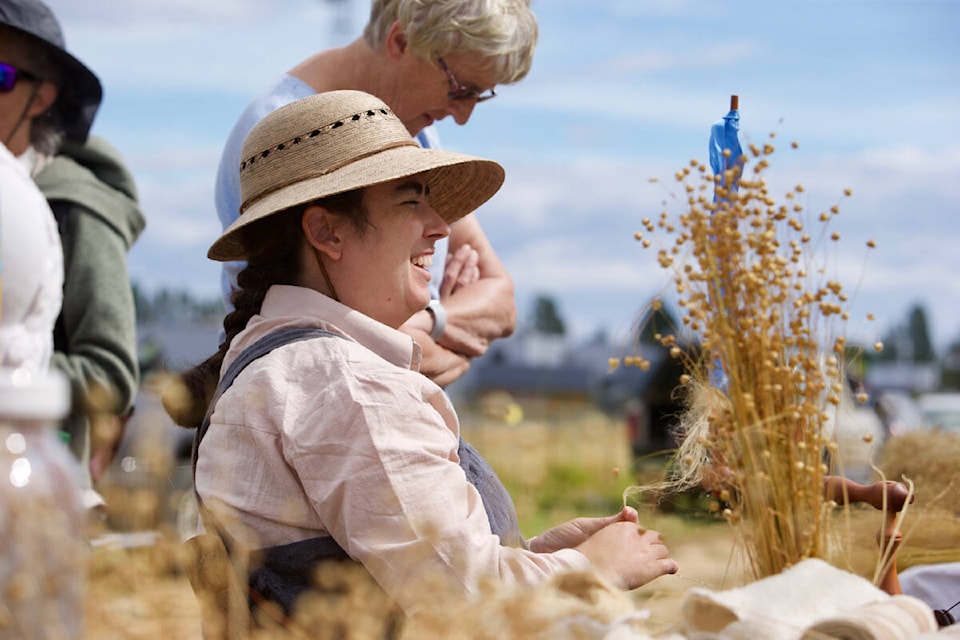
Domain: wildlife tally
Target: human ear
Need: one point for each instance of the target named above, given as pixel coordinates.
(322, 231)
(396, 43)
(43, 99)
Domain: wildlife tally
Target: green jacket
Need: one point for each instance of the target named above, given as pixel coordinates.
(95, 200)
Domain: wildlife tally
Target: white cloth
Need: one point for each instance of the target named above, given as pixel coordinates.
(31, 269)
(936, 584)
(897, 618)
(797, 601)
(343, 436)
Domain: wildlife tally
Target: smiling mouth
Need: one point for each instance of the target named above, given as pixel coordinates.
(425, 261)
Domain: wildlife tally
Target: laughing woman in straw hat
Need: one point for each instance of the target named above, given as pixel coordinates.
(336, 447)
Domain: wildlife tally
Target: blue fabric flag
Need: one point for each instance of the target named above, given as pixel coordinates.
(724, 135)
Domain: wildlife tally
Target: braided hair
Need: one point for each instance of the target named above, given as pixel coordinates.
(271, 260)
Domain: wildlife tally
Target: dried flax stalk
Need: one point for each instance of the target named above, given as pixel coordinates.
(758, 396)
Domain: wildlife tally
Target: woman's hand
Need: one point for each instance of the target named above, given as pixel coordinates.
(462, 269)
(575, 532)
(628, 555)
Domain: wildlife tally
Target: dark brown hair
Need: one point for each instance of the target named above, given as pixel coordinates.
(273, 258)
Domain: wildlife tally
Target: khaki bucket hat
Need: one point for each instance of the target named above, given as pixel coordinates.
(338, 141)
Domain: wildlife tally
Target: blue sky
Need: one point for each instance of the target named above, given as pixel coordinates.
(621, 91)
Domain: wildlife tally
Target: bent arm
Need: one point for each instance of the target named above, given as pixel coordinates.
(480, 308)
(440, 365)
(399, 502)
(480, 312)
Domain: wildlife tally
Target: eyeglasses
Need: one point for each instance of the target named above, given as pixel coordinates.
(460, 92)
(9, 75)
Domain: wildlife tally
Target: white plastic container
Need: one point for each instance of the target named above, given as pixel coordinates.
(43, 547)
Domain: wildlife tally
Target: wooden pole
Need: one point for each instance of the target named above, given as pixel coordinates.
(889, 497)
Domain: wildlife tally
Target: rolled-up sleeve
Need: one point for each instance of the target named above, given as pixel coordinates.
(376, 453)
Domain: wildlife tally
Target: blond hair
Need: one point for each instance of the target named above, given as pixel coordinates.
(505, 31)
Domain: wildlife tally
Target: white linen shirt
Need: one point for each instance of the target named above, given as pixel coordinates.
(343, 436)
(31, 268)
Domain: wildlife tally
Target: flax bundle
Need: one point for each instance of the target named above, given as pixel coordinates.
(769, 368)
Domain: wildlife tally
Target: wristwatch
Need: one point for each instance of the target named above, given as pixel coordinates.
(439, 318)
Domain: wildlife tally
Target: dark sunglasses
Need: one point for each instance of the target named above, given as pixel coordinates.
(460, 92)
(9, 75)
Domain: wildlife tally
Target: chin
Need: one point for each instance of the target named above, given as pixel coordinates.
(418, 125)
(421, 305)
(415, 127)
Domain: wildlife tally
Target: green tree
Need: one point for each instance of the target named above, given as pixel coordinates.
(546, 318)
(909, 341)
(175, 304)
(950, 376)
(920, 336)
(142, 304)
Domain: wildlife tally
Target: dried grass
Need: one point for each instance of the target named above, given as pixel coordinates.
(144, 593)
(932, 460)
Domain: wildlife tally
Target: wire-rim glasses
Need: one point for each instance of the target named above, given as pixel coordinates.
(459, 91)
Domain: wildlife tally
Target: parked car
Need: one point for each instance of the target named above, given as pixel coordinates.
(941, 410)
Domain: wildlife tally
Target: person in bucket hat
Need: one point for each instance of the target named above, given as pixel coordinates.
(323, 441)
(428, 60)
(48, 101)
(66, 93)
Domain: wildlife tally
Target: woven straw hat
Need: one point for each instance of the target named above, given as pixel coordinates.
(338, 141)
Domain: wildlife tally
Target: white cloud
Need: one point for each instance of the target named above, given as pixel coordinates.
(106, 13)
(567, 228)
(234, 46)
(580, 137)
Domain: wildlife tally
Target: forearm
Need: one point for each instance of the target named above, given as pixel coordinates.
(440, 365)
(479, 309)
(431, 523)
(478, 314)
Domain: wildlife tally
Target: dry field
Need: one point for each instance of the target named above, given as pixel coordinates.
(559, 460)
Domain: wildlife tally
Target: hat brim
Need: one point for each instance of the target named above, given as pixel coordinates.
(79, 93)
(459, 184)
(80, 97)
